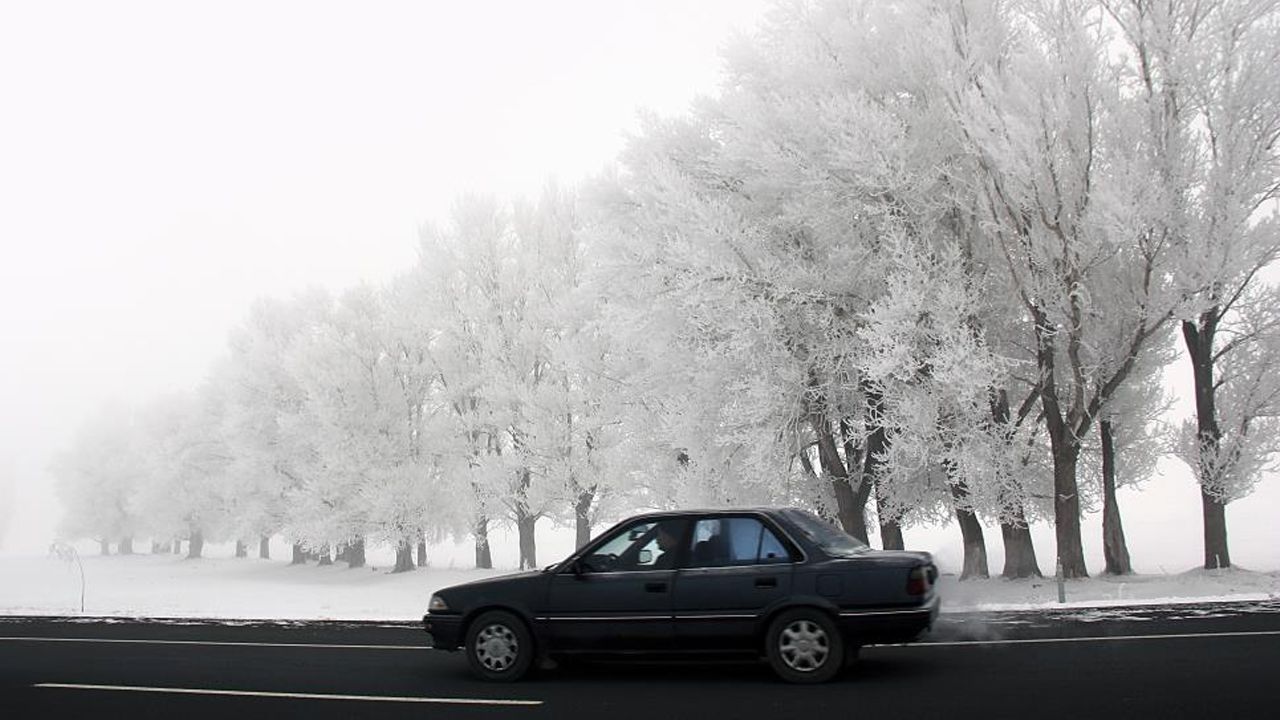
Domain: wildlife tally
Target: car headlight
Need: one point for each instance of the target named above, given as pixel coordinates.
(437, 604)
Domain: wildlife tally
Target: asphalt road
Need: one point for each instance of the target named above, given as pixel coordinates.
(1200, 661)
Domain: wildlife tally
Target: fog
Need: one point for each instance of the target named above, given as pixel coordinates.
(162, 165)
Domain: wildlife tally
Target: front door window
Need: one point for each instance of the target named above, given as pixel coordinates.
(651, 545)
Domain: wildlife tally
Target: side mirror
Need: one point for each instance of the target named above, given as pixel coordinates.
(578, 569)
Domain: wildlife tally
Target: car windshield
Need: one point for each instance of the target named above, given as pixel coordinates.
(831, 540)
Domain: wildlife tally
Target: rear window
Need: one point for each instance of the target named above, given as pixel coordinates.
(830, 539)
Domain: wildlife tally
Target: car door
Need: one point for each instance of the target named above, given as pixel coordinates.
(737, 567)
(618, 598)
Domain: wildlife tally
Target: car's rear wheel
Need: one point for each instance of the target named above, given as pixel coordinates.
(805, 646)
(499, 646)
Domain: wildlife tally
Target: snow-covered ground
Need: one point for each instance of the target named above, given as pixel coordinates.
(222, 587)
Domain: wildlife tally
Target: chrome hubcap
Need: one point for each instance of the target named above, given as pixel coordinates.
(804, 646)
(497, 647)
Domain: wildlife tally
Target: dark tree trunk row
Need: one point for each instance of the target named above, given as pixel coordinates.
(242, 549)
(264, 547)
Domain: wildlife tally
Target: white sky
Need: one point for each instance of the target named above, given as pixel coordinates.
(164, 163)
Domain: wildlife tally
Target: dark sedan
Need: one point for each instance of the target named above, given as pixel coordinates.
(778, 583)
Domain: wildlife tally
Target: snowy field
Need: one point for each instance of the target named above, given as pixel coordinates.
(1162, 526)
(223, 587)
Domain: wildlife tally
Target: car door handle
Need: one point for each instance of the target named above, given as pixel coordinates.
(656, 587)
(766, 582)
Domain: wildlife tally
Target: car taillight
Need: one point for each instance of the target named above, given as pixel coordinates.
(918, 581)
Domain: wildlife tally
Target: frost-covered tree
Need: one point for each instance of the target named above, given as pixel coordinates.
(497, 281)
(759, 226)
(262, 395)
(935, 373)
(365, 390)
(1205, 73)
(98, 477)
(184, 493)
(1246, 405)
(1038, 100)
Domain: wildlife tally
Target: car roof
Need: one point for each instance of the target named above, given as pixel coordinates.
(698, 512)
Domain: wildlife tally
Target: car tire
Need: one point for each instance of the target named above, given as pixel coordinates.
(499, 646)
(805, 646)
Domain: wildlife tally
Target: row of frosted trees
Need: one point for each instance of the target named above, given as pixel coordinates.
(911, 264)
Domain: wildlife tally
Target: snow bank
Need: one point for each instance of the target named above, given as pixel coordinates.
(170, 586)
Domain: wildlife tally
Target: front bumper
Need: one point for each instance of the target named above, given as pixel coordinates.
(444, 631)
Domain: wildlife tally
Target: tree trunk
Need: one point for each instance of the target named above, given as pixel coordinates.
(242, 549)
(1200, 340)
(404, 557)
(177, 546)
(877, 442)
(104, 547)
(582, 517)
(890, 533)
(528, 545)
(157, 548)
(975, 545)
(1065, 447)
(264, 547)
(355, 553)
(890, 528)
(299, 555)
(324, 556)
(1114, 549)
(484, 557)
(1066, 512)
(850, 505)
(196, 545)
(1216, 553)
(1019, 552)
(126, 546)
(422, 550)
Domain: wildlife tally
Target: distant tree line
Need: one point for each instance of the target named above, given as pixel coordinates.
(913, 263)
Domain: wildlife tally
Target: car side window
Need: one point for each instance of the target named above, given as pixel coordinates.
(650, 545)
(731, 541)
(621, 542)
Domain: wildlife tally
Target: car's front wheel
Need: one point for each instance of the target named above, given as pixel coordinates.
(499, 646)
(805, 646)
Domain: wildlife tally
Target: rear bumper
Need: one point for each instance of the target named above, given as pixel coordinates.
(890, 625)
(444, 631)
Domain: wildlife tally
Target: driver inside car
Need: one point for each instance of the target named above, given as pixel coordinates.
(667, 542)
